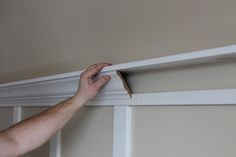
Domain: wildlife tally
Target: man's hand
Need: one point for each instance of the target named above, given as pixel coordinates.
(88, 86)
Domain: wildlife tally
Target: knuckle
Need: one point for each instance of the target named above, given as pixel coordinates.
(98, 69)
(100, 66)
(95, 87)
(104, 79)
(83, 74)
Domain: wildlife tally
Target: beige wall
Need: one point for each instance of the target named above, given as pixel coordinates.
(89, 133)
(6, 117)
(184, 131)
(54, 36)
(209, 76)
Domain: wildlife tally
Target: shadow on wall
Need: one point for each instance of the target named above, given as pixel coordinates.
(40, 71)
(195, 77)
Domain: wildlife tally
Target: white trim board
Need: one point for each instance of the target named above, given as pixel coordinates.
(17, 114)
(198, 97)
(55, 145)
(122, 131)
(62, 88)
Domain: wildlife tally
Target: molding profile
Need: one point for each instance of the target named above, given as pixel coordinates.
(55, 88)
(62, 88)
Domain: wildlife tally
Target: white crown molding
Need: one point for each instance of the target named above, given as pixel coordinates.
(198, 97)
(58, 87)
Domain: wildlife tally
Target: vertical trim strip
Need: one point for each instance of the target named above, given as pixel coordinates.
(122, 131)
(55, 145)
(17, 114)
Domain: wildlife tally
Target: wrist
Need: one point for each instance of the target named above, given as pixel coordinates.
(79, 99)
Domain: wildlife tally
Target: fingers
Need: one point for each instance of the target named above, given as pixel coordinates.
(102, 81)
(94, 69)
(92, 66)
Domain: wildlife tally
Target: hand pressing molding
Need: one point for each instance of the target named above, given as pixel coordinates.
(58, 89)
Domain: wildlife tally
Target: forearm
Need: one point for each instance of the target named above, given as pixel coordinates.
(33, 132)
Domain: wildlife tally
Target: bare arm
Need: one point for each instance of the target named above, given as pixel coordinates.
(34, 131)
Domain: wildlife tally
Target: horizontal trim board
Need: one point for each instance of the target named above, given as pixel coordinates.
(54, 89)
(202, 97)
(199, 97)
(196, 57)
